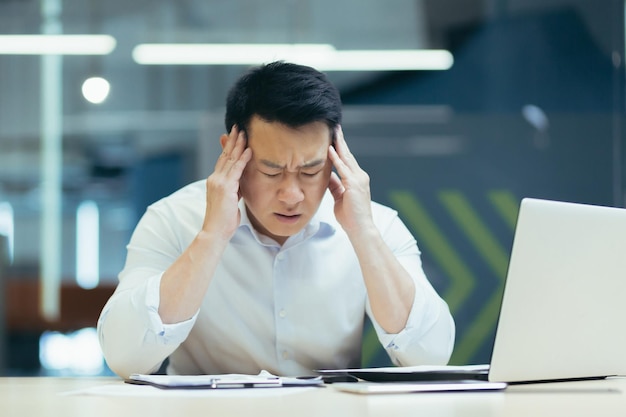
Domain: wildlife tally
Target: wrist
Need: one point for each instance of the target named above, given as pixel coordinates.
(216, 231)
(214, 241)
(363, 235)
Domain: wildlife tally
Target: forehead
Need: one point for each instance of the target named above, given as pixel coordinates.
(276, 139)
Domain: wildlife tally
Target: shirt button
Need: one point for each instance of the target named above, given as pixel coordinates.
(282, 314)
(285, 354)
(280, 256)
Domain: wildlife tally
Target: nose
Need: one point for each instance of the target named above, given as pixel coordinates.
(290, 191)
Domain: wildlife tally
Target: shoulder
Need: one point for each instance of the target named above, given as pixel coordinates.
(383, 215)
(186, 205)
(395, 233)
(169, 224)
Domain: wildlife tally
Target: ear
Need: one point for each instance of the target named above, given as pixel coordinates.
(333, 134)
(223, 140)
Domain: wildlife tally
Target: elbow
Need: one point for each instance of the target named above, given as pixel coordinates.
(447, 336)
(435, 347)
(125, 357)
(124, 365)
(124, 369)
(439, 344)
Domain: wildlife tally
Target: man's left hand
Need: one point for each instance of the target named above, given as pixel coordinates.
(350, 189)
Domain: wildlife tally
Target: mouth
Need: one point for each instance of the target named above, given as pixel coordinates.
(287, 218)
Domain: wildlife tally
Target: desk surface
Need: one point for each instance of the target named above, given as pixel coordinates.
(95, 397)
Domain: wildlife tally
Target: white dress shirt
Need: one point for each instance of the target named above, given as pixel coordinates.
(287, 309)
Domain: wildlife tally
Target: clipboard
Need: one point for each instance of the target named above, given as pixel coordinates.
(225, 381)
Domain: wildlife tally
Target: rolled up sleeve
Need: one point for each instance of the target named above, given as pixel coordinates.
(429, 334)
(132, 335)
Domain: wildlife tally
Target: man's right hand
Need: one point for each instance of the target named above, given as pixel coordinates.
(222, 215)
(185, 282)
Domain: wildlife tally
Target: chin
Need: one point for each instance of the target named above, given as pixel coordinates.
(286, 231)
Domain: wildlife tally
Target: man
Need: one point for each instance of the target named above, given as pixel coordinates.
(273, 261)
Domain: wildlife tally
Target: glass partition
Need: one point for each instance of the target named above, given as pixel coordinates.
(527, 102)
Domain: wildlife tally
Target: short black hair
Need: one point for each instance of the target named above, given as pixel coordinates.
(288, 93)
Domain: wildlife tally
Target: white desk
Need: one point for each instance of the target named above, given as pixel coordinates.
(95, 397)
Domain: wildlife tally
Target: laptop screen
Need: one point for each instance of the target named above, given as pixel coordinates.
(564, 305)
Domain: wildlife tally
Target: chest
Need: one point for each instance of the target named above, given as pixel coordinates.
(313, 274)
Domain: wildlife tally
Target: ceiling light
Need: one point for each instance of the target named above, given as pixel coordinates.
(56, 44)
(321, 56)
(386, 60)
(96, 89)
(225, 54)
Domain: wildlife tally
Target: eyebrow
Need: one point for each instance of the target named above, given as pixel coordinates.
(311, 164)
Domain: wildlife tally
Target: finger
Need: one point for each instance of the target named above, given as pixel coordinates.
(232, 140)
(340, 142)
(344, 151)
(236, 170)
(239, 146)
(342, 169)
(336, 187)
(233, 149)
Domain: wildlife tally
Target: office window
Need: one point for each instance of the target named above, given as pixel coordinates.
(525, 98)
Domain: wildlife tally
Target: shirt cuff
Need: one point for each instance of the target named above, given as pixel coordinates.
(428, 336)
(160, 332)
(395, 341)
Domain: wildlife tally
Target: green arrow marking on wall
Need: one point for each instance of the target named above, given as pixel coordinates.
(506, 205)
(462, 280)
(443, 253)
(469, 221)
(495, 257)
(370, 347)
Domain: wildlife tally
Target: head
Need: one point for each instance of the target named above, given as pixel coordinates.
(291, 94)
(289, 114)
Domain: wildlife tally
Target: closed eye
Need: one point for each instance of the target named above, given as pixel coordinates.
(270, 175)
(311, 174)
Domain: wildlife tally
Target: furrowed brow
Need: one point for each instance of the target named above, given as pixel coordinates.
(314, 163)
(311, 164)
(271, 164)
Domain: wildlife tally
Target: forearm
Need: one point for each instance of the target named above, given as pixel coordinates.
(390, 289)
(185, 282)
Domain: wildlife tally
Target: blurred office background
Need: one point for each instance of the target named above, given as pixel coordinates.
(524, 98)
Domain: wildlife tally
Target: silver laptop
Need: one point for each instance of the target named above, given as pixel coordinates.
(563, 313)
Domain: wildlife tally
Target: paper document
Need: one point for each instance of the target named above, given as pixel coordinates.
(263, 380)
